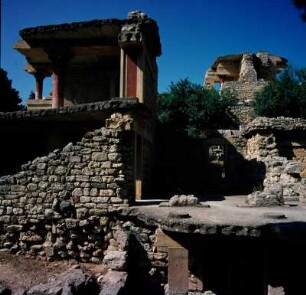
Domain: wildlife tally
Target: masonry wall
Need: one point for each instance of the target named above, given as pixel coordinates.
(294, 148)
(245, 90)
(89, 178)
(240, 115)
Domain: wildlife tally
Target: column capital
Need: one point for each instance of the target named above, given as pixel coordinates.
(131, 35)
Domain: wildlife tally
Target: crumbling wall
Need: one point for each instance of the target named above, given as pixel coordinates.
(245, 90)
(56, 192)
(284, 177)
(241, 115)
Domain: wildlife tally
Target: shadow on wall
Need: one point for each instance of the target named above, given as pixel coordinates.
(142, 278)
(210, 165)
(244, 265)
(36, 139)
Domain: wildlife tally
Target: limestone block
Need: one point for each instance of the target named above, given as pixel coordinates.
(275, 290)
(75, 159)
(183, 200)
(81, 213)
(106, 193)
(113, 282)
(99, 156)
(77, 192)
(96, 178)
(71, 223)
(32, 187)
(30, 237)
(106, 164)
(82, 178)
(293, 168)
(302, 193)
(14, 228)
(116, 260)
(48, 248)
(60, 170)
(107, 179)
(98, 211)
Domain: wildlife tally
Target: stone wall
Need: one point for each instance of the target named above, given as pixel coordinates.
(247, 70)
(90, 178)
(241, 115)
(246, 90)
(271, 142)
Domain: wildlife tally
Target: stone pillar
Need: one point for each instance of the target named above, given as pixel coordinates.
(57, 89)
(39, 79)
(129, 73)
(178, 271)
(122, 73)
(60, 60)
(177, 263)
(247, 70)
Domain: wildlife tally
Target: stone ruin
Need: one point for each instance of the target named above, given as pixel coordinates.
(278, 143)
(89, 157)
(246, 73)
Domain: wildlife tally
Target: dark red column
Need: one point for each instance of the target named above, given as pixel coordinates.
(131, 74)
(39, 79)
(57, 89)
(60, 60)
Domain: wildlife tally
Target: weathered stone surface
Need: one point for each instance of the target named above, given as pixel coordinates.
(73, 281)
(183, 200)
(121, 236)
(274, 124)
(276, 290)
(293, 168)
(116, 260)
(178, 271)
(266, 198)
(113, 283)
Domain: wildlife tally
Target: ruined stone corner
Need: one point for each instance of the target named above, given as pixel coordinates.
(120, 121)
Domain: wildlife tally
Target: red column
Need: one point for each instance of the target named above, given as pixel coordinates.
(39, 78)
(57, 89)
(131, 74)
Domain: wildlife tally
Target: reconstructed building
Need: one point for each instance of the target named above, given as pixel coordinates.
(75, 164)
(93, 60)
(99, 68)
(247, 73)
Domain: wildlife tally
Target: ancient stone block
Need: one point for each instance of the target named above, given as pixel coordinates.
(178, 271)
(99, 156)
(82, 178)
(60, 170)
(106, 193)
(275, 290)
(71, 223)
(81, 213)
(14, 228)
(32, 186)
(116, 260)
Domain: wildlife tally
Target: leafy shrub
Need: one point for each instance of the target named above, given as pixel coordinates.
(191, 108)
(285, 96)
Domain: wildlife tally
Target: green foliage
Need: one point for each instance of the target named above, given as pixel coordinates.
(191, 107)
(284, 97)
(9, 97)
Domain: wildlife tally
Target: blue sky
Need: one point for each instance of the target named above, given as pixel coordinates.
(193, 32)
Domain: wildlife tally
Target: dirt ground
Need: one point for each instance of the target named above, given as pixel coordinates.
(20, 272)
